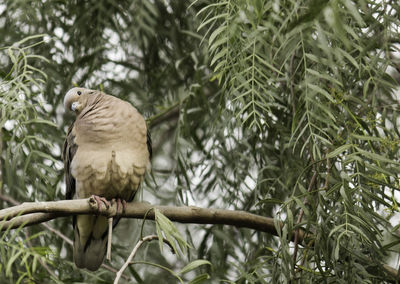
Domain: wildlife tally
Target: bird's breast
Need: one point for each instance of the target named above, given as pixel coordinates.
(107, 173)
(112, 153)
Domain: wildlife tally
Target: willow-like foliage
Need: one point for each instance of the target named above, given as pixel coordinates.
(313, 81)
(286, 109)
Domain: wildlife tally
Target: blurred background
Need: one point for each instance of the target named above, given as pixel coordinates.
(285, 109)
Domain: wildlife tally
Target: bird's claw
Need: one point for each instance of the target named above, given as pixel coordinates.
(99, 200)
(120, 203)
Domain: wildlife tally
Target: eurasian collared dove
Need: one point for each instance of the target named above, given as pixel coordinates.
(106, 153)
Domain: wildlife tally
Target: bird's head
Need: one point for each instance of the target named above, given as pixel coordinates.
(76, 99)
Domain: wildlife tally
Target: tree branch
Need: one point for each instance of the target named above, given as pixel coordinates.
(172, 112)
(31, 213)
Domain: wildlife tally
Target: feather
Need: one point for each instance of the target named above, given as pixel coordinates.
(106, 153)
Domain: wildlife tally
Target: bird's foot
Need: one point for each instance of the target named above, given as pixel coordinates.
(99, 200)
(120, 203)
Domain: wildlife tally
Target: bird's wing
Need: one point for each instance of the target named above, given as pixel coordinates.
(69, 151)
(149, 144)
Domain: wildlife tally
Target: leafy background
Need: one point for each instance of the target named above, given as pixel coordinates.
(286, 109)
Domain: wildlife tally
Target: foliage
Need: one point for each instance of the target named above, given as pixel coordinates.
(280, 108)
(23, 116)
(20, 259)
(168, 233)
(27, 167)
(314, 77)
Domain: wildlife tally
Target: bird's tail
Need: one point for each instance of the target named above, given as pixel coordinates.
(90, 242)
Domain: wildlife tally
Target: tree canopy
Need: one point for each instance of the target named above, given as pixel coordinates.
(284, 109)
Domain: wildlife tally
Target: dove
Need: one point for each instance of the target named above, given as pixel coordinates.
(106, 153)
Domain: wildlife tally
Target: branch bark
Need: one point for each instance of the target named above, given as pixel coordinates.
(31, 213)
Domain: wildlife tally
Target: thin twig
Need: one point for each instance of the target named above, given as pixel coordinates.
(325, 187)
(1, 152)
(133, 253)
(172, 112)
(291, 84)
(58, 233)
(297, 232)
(328, 172)
(9, 199)
(110, 227)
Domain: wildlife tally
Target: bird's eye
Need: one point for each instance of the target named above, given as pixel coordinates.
(79, 93)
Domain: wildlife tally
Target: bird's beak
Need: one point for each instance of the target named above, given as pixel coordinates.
(75, 106)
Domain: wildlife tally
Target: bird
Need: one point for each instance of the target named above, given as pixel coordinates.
(106, 153)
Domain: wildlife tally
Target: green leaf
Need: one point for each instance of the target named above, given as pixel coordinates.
(215, 34)
(193, 265)
(162, 267)
(14, 257)
(200, 278)
(339, 150)
(41, 121)
(376, 157)
(165, 227)
(321, 91)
